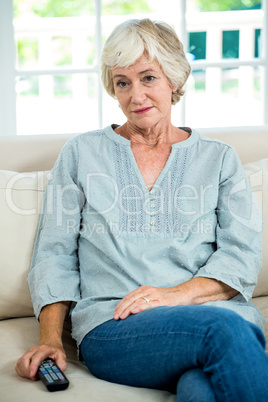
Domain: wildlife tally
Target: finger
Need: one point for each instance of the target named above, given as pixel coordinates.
(142, 307)
(129, 303)
(23, 364)
(134, 295)
(60, 359)
(129, 299)
(37, 358)
(139, 305)
(145, 306)
(132, 307)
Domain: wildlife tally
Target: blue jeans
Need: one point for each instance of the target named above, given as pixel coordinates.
(201, 353)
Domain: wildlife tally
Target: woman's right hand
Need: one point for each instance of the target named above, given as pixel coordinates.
(28, 364)
(51, 319)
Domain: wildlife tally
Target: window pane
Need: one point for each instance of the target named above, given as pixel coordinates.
(229, 82)
(27, 52)
(62, 86)
(197, 45)
(27, 86)
(59, 104)
(61, 50)
(257, 44)
(230, 44)
(224, 97)
(197, 82)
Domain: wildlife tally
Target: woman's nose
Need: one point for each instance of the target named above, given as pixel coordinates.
(137, 93)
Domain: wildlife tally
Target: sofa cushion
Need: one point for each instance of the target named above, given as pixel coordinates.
(257, 173)
(21, 196)
(20, 334)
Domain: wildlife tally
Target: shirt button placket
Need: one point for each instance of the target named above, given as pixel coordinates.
(152, 207)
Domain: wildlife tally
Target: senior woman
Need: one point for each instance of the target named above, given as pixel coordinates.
(150, 239)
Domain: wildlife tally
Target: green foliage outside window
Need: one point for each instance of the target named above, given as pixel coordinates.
(27, 53)
(225, 5)
(76, 8)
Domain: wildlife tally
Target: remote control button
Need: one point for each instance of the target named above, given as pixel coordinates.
(48, 378)
(60, 376)
(54, 376)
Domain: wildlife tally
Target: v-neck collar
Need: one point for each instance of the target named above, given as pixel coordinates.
(160, 176)
(109, 131)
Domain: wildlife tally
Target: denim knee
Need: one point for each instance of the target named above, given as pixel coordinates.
(194, 386)
(226, 329)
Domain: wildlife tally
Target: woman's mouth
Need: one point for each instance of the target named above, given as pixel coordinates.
(143, 110)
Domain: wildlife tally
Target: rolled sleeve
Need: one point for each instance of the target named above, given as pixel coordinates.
(54, 272)
(237, 260)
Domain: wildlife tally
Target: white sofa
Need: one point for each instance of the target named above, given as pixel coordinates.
(21, 193)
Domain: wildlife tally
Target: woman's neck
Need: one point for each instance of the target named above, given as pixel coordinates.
(152, 137)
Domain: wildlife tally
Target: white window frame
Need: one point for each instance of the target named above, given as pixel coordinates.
(7, 70)
(9, 73)
(216, 62)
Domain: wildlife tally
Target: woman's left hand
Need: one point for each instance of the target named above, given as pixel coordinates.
(147, 297)
(194, 291)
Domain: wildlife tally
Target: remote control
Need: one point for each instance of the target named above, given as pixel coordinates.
(52, 376)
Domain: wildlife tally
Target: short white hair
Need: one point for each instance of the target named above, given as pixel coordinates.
(133, 38)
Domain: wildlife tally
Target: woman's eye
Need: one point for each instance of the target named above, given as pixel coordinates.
(121, 84)
(149, 78)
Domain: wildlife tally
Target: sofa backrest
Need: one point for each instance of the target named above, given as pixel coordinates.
(38, 152)
(30, 153)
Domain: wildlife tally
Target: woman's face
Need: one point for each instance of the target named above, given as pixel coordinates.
(144, 93)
